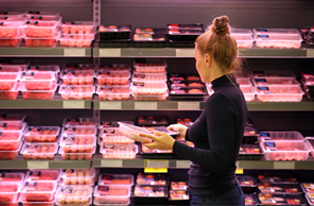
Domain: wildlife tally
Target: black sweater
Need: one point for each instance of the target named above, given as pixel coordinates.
(217, 135)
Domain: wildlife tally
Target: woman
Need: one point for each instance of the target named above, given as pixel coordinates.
(217, 133)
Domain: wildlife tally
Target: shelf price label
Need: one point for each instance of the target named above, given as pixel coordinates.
(183, 164)
(74, 52)
(239, 171)
(284, 165)
(185, 52)
(110, 52)
(145, 105)
(188, 105)
(74, 104)
(111, 163)
(156, 166)
(37, 164)
(110, 105)
(310, 53)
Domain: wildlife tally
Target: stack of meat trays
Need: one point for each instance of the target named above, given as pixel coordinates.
(178, 194)
(78, 177)
(113, 189)
(11, 29)
(184, 35)
(11, 135)
(308, 189)
(307, 79)
(9, 81)
(185, 86)
(149, 80)
(244, 37)
(114, 35)
(149, 37)
(75, 195)
(78, 139)
(113, 82)
(279, 189)
(284, 145)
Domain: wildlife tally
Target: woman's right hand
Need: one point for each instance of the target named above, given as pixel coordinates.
(179, 128)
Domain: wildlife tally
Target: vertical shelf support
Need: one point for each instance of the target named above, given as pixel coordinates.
(97, 11)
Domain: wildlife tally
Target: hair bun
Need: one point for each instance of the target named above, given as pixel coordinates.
(221, 25)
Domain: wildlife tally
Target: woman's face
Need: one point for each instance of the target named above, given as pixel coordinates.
(201, 66)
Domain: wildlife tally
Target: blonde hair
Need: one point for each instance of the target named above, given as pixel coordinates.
(220, 45)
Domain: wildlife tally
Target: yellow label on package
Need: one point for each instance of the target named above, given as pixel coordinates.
(239, 171)
(156, 166)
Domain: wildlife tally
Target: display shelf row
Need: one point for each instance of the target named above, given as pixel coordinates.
(139, 162)
(142, 52)
(195, 105)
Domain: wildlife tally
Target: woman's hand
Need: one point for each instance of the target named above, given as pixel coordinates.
(179, 128)
(160, 140)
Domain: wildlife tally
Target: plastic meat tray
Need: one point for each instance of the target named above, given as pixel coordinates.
(41, 133)
(250, 152)
(116, 179)
(150, 195)
(39, 94)
(76, 92)
(280, 188)
(277, 178)
(249, 92)
(10, 154)
(39, 151)
(113, 77)
(77, 77)
(113, 32)
(113, 92)
(112, 194)
(151, 179)
(76, 40)
(118, 150)
(10, 29)
(10, 140)
(74, 195)
(39, 191)
(149, 66)
(78, 27)
(40, 28)
(307, 187)
(33, 80)
(76, 156)
(79, 130)
(275, 81)
(42, 175)
(9, 191)
(281, 199)
(128, 130)
(276, 93)
(310, 142)
(12, 177)
(81, 121)
(78, 144)
(280, 135)
(78, 176)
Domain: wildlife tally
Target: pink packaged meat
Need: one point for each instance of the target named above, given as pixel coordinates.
(78, 176)
(74, 195)
(39, 191)
(78, 144)
(78, 27)
(42, 175)
(113, 77)
(118, 150)
(42, 133)
(9, 191)
(116, 179)
(40, 28)
(113, 92)
(112, 194)
(78, 77)
(76, 92)
(39, 151)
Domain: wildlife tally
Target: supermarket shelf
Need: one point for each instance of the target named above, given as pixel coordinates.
(45, 52)
(197, 105)
(189, 52)
(185, 164)
(56, 163)
(56, 103)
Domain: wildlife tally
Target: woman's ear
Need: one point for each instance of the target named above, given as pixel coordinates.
(208, 60)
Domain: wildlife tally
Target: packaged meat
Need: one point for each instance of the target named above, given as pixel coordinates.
(118, 67)
(281, 199)
(80, 195)
(280, 135)
(112, 194)
(113, 92)
(250, 135)
(44, 68)
(151, 179)
(10, 42)
(181, 77)
(249, 92)
(275, 81)
(140, 77)
(41, 13)
(11, 94)
(81, 121)
(78, 27)
(152, 121)
(128, 130)
(282, 93)
(37, 17)
(38, 94)
(189, 91)
(38, 191)
(244, 81)
(178, 195)
(150, 66)
(40, 28)
(277, 178)
(248, 183)
(113, 77)
(14, 14)
(41, 41)
(10, 29)
(273, 73)
(10, 140)
(37, 203)
(127, 202)
(9, 66)
(116, 179)
(41, 133)
(76, 40)
(286, 150)
(250, 199)
(243, 37)
(149, 40)
(310, 198)
(118, 150)
(76, 92)
(78, 144)
(310, 142)
(10, 154)
(9, 191)
(179, 185)
(12, 126)
(77, 77)
(79, 130)
(150, 97)
(113, 32)
(42, 175)
(39, 151)
(32, 80)
(114, 139)
(150, 195)
(149, 88)
(250, 152)
(8, 80)
(284, 31)
(76, 156)
(307, 187)
(12, 177)
(91, 67)
(185, 121)
(184, 32)
(280, 188)
(186, 84)
(279, 41)
(113, 124)
(78, 176)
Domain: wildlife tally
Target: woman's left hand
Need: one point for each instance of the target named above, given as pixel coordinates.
(161, 141)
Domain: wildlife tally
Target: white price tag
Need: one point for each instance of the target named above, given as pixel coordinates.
(284, 165)
(110, 52)
(74, 52)
(110, 105)
(37, 165)
(185, 52)
(111, 163)
(310, 53)
(183, 164)
(74, 104)
(188, 105)
(145, 105)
